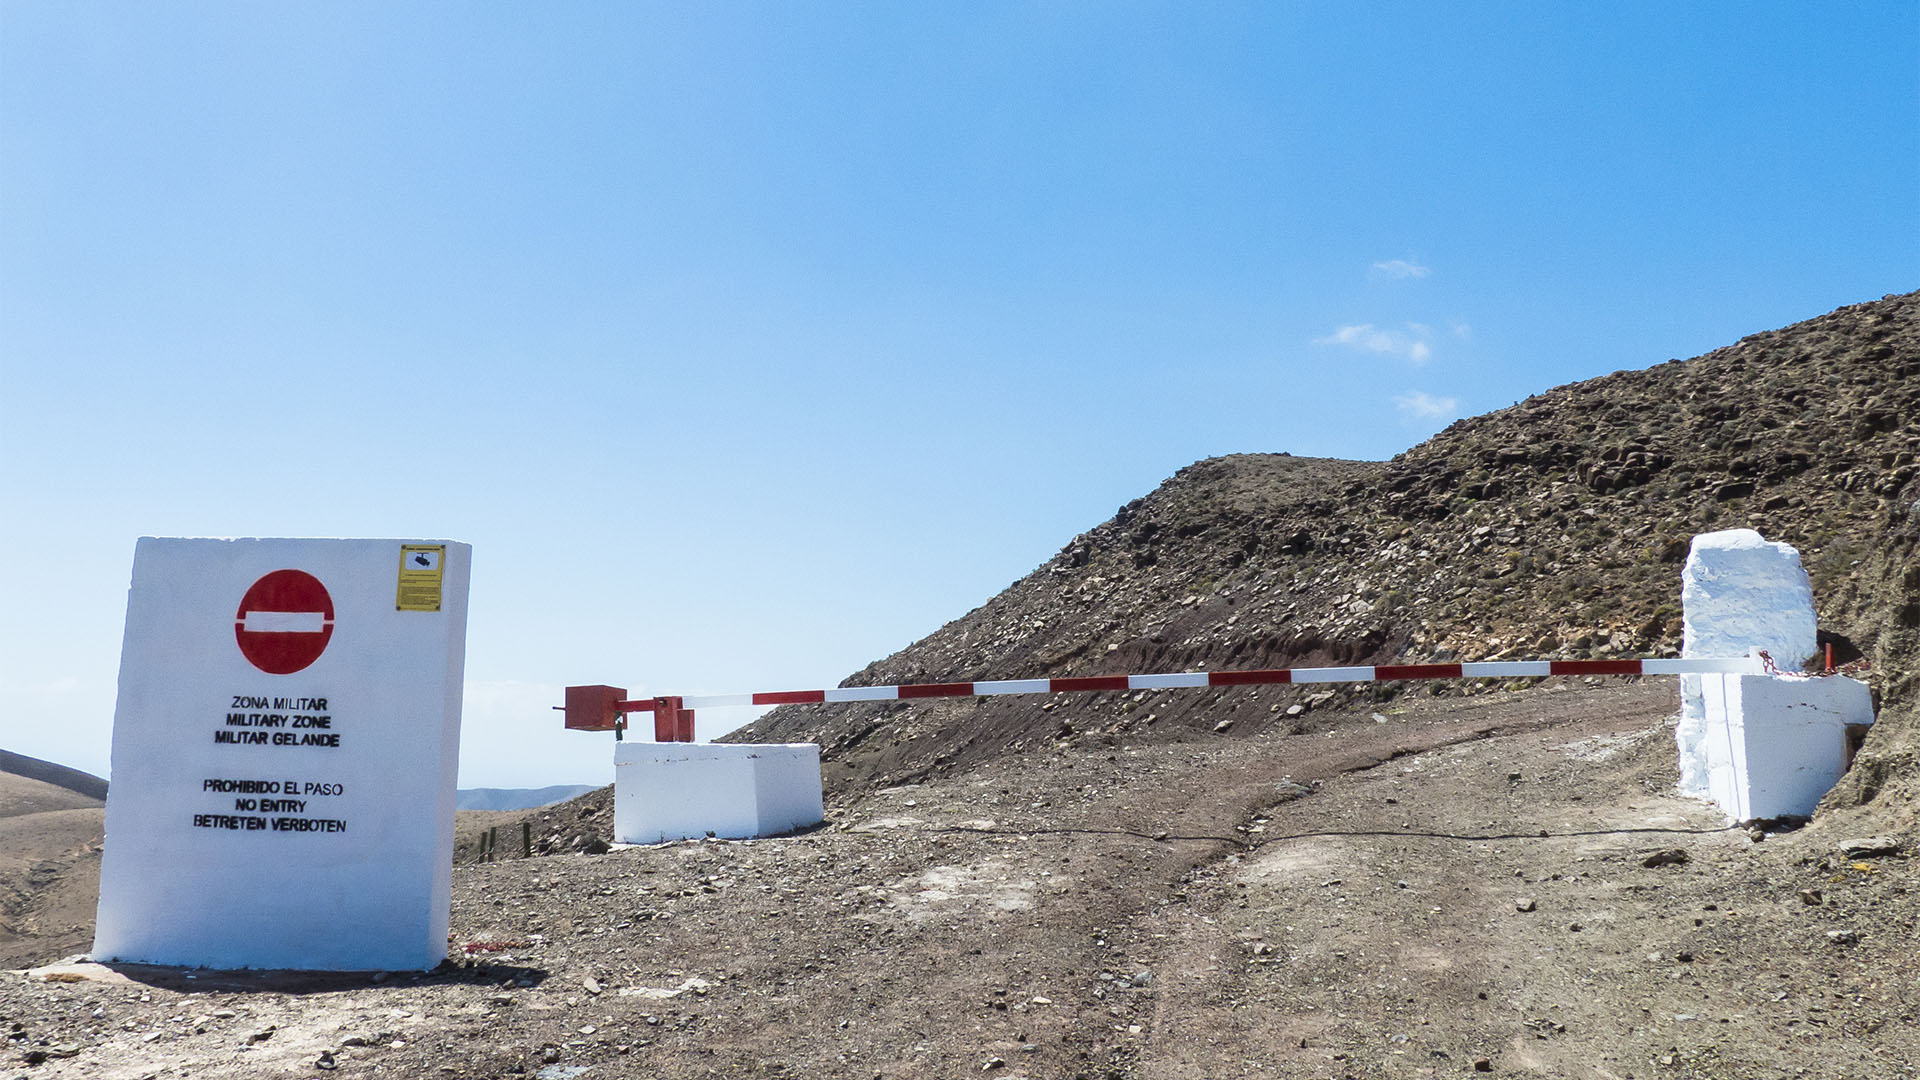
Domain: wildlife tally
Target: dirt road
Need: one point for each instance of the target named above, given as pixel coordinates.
(1445, 888)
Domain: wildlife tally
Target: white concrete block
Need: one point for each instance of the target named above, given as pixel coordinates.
(679, 791)
(1774, 745)
(284, 755)
(1738, 593)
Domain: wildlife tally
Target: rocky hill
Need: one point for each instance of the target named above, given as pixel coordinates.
(1554, 528)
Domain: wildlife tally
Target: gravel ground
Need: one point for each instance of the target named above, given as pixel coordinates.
(1441, 888)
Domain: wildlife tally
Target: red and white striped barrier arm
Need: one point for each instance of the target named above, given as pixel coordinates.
(1496, 669)
(597, 708)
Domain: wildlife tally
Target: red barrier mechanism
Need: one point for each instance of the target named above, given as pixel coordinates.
(593, 708)
(605, 708)
(671, 723)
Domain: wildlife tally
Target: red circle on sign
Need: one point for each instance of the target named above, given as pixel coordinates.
(284, 622)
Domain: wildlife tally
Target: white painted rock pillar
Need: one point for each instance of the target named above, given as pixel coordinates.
(1759, 746)
(284, 755)
(1738, 593)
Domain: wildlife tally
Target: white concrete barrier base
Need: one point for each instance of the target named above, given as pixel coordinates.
(1774, 745)
(680, 791)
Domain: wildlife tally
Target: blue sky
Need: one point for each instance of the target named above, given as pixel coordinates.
(747, 343)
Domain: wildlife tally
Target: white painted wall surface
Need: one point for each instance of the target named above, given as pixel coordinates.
(679, 791)
(1738, 592)
(177, 886)
(1776, 744)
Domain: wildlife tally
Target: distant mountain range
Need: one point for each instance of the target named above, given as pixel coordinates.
(493, 798)
(94, 787)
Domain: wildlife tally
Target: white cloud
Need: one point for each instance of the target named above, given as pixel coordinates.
(1460, 330)
(1411, 343)
(1399, 269)
(1425, 406)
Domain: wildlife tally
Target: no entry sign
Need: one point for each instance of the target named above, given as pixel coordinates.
(284, 622)
(282, 794)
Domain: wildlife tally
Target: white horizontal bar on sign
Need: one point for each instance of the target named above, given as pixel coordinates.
(864, 693)
(1332, 674)
(716, 701)
(1501, 669)
(285, 622)
(1745, 665)
(1013, 686)
(1166, 682)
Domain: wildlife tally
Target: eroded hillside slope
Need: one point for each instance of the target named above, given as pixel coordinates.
(1554, 528)
(49, 866)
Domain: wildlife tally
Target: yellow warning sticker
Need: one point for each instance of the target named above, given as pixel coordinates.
(420, 576)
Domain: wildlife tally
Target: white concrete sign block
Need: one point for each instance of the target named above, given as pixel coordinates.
(1776, 744)
(284, 755)
(1738, 593)
(679, 791)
